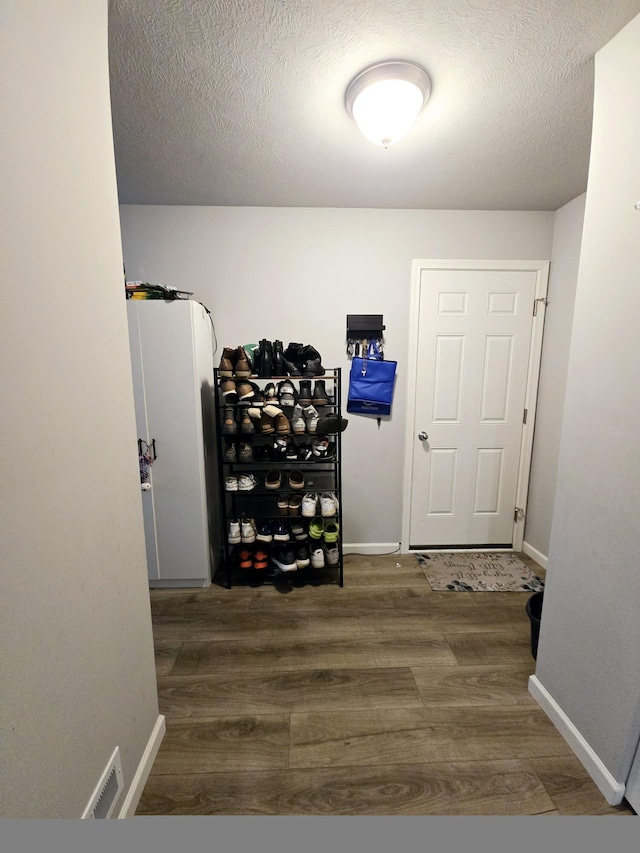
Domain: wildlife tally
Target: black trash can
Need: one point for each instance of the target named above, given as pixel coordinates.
(534, 612)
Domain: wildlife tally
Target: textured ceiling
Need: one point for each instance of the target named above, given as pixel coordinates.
(241, 102)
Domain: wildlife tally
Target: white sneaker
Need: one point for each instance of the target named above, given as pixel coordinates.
(298, 424)
(309, 505)
(328, 505)
(317, 557)
(231, 484)
(331, 555)
(248, 530)
(311, 417)
(234, 532)
(247, 482)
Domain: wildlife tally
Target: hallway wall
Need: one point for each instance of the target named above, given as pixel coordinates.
(294, 274)
(77, 673)
(563, 279)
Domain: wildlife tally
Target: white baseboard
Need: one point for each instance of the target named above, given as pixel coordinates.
(371, 548)
(536, 555)
(612, 790)
(144, 768)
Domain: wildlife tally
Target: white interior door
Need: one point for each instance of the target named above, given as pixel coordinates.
(174, 421)
(472, 357)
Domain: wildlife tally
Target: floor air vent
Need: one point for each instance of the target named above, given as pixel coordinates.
(107, 791)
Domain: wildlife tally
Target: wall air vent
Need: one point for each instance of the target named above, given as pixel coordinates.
(108, 790)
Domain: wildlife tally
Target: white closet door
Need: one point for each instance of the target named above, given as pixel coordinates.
(137, 371)
(174, 420)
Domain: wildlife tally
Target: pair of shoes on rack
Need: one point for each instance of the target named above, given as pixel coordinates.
(328, 503)
(273, 531)
(324, 555)
(289, 504)
(250, 558)
(243, 393)
(302, 360)
(242, 452)
(319, 397)
(242, 483)
(304, 419)
(241, 530)
(323, 528)
(234, 362)
(269, 419)
(273, 479)
(232, 420)
(287, 394)
(289, 558)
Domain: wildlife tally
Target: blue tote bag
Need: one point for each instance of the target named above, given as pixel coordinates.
(371, 383)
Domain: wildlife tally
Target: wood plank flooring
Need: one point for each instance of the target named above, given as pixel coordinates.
(382, 697)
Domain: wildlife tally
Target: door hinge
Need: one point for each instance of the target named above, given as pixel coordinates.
(535, 304)
(517, 514)
(524, 418)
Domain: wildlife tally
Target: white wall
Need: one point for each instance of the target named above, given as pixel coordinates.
(294, 274)
(78, 675)
(563, 278)
(589, 649)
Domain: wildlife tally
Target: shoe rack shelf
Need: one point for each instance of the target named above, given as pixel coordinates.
(249, 499)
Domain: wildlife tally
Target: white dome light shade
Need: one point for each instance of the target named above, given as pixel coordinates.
(385, 100)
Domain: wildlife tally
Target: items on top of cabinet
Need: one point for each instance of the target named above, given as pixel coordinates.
(144, 290)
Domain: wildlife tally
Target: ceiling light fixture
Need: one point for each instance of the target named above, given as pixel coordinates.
(385, 99)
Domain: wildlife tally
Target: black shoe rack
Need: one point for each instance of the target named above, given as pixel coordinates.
(321, 475)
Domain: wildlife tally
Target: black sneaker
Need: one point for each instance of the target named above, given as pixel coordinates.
(262, 453)
(280, 447)
(299, 529)
(230, 454)
(264, 533)
(292, 452)
(305, 453)
(284, 559)
(302, 556)
(281, 532)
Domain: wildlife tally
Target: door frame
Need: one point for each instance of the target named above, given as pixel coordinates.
(541, 269)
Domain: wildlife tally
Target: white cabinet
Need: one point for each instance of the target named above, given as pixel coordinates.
(172, 366)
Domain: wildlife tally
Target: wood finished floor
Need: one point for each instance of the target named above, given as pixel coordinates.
(382, 697)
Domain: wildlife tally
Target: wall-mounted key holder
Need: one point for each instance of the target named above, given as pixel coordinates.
(362, 328)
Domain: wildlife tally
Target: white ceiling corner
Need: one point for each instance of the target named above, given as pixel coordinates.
(241, 102)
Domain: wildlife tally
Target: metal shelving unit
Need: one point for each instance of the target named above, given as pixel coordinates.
(261, 504)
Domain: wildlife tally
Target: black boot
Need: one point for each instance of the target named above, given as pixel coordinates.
(319, 393)
(304, 394)
(278, 359)
(292, 363)
(266, 355)
(311, 358)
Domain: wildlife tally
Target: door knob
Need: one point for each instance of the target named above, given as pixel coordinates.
(423, 436)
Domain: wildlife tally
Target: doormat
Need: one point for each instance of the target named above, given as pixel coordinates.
(474, 571)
